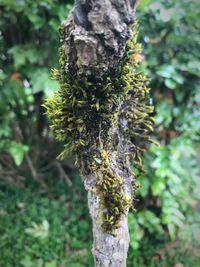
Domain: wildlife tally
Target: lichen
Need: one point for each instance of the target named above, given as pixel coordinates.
(83, 113)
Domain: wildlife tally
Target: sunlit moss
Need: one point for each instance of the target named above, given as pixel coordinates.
(82, 114)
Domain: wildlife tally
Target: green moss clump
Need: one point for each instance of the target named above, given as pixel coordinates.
(109, 186)
(83, 112)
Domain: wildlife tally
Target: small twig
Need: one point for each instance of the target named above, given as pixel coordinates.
(63, 175)
(31, 168)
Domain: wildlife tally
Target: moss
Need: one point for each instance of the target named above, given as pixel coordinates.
(83, 112)
(109, 186)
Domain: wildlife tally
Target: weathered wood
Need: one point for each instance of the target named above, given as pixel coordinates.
(96, 34)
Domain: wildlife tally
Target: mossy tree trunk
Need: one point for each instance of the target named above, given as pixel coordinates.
(109, 248)
(102, 115)
(95, 40)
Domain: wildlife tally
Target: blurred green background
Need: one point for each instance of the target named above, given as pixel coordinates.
(44, 220)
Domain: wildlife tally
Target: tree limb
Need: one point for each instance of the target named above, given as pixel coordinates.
(102, 115)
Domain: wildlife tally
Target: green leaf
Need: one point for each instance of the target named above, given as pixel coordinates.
(193, 67)
(38, 263)
(164, 113)
(166, 71)
(40, 231)
(36, 20)
(2, 75)
(178, 78)
(17, 151)
(170, 83)
(18, 56)
(26, 262)
(166, 14)
(41, 81)
(25, 53)
(136, 232)
(157, 186)
(144, 186)
(143, 4)
(172, 230)
(51, 264)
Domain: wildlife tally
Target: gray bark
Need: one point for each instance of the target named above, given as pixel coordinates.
(94, 41)
(111, 250)
(108, 250)
(96, 34)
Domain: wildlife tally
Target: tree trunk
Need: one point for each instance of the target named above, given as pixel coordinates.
(108, 250)
(95, 38)
(100, 113)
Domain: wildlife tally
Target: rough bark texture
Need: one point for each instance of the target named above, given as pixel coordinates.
(101, 114)
(94, 42)
(111, 250)
(108, 250)
(96, 33)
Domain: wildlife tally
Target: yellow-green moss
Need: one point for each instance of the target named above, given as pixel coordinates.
(82, 112)
(109, 186)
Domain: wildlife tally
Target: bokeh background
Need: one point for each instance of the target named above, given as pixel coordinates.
(44, 220)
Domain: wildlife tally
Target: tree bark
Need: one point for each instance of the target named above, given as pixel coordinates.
(95, 37)
(108, 250)
(94, 42)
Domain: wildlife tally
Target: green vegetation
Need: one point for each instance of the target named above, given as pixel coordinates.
(28, 49)
(164, 230)
(170, 189)
(42, 227)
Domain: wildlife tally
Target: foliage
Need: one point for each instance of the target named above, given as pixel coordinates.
(43, 227)
(170, 189)
(28, 47)
(66, 240)
(165, 226)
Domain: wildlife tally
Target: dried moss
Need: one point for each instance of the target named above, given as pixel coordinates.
(82, 114)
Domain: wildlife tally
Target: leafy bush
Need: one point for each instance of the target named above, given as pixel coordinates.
(169, 190)
(28, 49)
